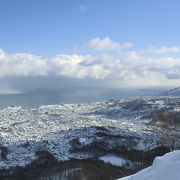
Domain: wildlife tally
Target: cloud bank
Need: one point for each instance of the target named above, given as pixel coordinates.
(120, 65)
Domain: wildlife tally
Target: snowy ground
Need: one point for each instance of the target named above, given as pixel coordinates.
(163, 168)
(114, 160)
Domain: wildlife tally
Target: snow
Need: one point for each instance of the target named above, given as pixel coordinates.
(85, 141)
(114, 160)
(163, 168)
(52, 127)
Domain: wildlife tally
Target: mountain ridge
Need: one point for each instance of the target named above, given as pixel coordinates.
(172, 92)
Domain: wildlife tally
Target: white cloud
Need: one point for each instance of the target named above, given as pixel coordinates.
(164, 50)
(98, 44)
(2, 55)
(22, 64)
(75, 66)
(127, 69)
(107, 44)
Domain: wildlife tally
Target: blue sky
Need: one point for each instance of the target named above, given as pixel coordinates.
(95, 43)
(48, 27)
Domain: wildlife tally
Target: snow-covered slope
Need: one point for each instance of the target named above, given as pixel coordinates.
(172, 92)
(163, 168)
(126, 127)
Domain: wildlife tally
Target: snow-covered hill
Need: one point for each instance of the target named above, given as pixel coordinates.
(172, 92)
(127, 131)
(163, 168)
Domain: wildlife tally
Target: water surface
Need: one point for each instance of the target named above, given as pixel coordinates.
(29, 100)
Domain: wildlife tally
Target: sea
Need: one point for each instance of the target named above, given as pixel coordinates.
(36, 99)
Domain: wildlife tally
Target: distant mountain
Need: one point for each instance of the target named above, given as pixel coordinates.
(172, 92)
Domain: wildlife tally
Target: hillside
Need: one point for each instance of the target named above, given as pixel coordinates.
(164, 168)
(172, 92)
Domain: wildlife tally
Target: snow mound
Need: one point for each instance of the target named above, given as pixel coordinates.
(164, 168)
(114, 160)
